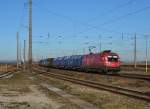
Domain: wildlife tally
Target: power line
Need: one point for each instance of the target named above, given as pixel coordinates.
(126, 15)
(118, 18)
(22, 17)
(111, 10)
(90, 27)
(107, 22)
(53, 13)
(72, 20)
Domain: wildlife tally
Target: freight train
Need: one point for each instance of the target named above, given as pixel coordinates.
(105, 62)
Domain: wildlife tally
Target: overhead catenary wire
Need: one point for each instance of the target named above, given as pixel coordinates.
(22, 16)
(71, 19)
(93, 27)
(118, 19)
(90, 27)
(98, 27)
(67, 18)
(110, 11)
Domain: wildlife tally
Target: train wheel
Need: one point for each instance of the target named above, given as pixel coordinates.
(105, 70)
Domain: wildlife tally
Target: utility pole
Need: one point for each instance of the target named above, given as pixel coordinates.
(17, 50)
(30, 37)
(20, 60)
(24, 54)
(122, 36)
(146, 62)
(6, 67)
(100, 44)
(135, 52)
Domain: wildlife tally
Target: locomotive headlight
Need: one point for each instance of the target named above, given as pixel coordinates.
(115, 57)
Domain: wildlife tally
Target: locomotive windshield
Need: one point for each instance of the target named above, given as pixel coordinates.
(112, 58)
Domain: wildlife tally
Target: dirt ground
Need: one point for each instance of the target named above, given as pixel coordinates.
(100, 98)
(19, 92)
(23, 92)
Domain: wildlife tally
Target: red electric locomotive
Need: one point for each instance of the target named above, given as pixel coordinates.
(104, 62)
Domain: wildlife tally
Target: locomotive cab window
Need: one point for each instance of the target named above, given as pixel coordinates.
(112, 58)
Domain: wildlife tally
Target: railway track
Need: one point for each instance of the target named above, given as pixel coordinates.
(135, 76)
(138, 66)
(115, 89)
(72, 99)
(124, 75)
(6, 74)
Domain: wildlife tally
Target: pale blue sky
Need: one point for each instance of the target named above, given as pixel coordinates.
(73, 23)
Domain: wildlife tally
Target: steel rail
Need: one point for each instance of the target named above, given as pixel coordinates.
(5, 74)
(115, 89)
(132, 76)
(144, 77)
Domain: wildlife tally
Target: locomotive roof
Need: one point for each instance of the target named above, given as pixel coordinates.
(103, 53)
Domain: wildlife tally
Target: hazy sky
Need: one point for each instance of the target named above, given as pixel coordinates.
(66, 27)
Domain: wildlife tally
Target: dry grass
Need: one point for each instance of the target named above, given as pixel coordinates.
(107, 79)
(16, 83)
(5, 68)
(102, 99)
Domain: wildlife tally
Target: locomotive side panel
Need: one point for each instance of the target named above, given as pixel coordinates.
(105, 61)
